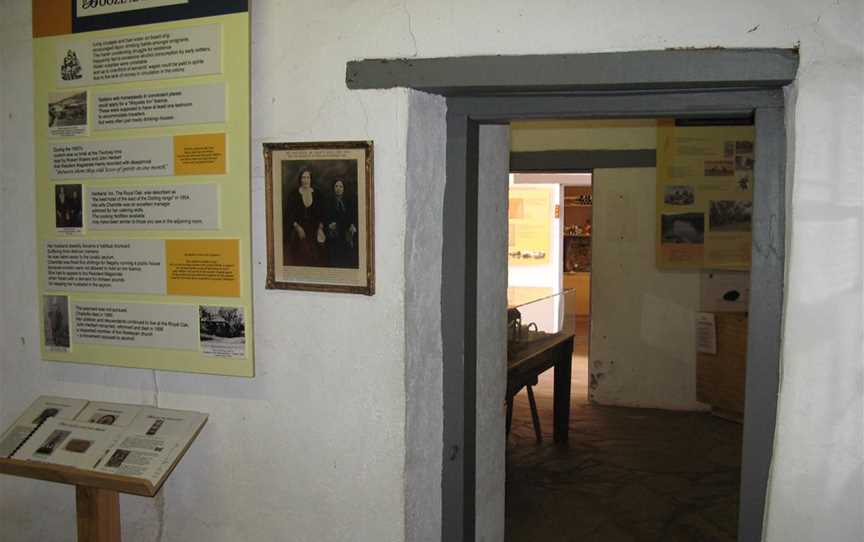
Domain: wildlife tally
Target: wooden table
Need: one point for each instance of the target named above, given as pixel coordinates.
(528, 359)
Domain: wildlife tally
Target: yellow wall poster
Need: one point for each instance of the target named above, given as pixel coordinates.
(529, 225)
(143, 184)
(704, 196)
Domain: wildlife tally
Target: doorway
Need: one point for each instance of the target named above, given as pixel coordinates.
(632, 468)
(482, 93)
(756, 446)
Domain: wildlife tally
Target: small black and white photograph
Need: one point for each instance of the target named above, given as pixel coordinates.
(54, 440)
(679, 195)
(67, 113)
(45, 414)
(70, 67)
(743, 147)
(103, 419)
(78, 446)
(688, 228)
(55, 318)
(744, 162)
(155, 427)
(117, 458)
(222, 331)
(744, 180)
(730, 215)
(68, 208)
(719, 168)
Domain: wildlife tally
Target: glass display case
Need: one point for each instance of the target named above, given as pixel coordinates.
(536, 313)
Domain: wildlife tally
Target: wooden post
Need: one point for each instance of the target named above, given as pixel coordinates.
(98, 512)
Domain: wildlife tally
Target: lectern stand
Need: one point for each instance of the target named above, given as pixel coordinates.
(97, 494)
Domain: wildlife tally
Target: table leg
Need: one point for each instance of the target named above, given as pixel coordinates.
(561, 400)
(98, 512)
(535, 418)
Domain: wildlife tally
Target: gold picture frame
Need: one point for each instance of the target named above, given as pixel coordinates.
(320, 216)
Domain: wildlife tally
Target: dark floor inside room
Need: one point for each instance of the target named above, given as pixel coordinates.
(627, 474)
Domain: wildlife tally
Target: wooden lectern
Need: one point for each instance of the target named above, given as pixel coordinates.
(97, 495)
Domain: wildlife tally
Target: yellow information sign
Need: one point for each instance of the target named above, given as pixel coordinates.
(704, 196)
(530, 225)
(199, 154)
(143, 187)
(203, 267)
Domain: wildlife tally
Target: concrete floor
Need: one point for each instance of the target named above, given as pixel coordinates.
(628, 474)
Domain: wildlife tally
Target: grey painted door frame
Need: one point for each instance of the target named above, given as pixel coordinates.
(767, 276)
(681, 84)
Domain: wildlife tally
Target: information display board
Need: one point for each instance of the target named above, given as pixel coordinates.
(529, 225)
(704, 196)
(142, 183)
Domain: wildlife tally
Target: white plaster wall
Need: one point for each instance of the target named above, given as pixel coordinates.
(424, 424)
(313, 448)
(643, 351)
(337, 412)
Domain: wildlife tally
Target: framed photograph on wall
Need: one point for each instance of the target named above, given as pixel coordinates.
(320, 219)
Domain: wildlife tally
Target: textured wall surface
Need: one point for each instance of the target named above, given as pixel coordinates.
(314, 447)
(643, 351)
(425, 178)
(493, 160)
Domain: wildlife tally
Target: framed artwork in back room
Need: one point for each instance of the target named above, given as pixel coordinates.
(320, 216)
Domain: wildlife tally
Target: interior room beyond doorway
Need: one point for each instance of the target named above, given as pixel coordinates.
(646, 459)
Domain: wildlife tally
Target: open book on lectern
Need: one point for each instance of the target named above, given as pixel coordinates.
(111, 438)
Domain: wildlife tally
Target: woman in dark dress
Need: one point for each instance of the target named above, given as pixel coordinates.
(303, 225)
(341, 218)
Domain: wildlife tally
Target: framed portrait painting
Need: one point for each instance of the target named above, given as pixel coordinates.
(320, 219)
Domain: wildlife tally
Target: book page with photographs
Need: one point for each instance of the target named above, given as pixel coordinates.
(69, 443)
(141, 457)
(151, 445)
(41, 409)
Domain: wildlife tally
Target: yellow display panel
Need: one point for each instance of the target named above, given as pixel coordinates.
(142, 187)
(203, 267)
(199, 154)
(529, 225)
(704, 196)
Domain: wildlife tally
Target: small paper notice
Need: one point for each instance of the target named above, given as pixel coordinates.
(134, 266)
(163, 207)
(706, 333)
(135, 325)
(143, 56)
(143, 108)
